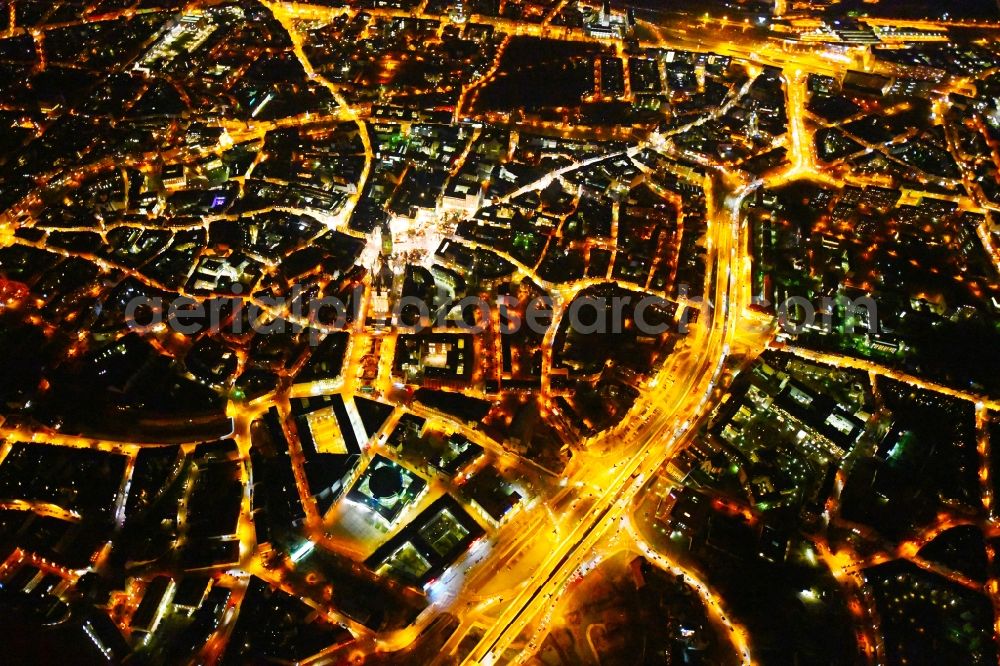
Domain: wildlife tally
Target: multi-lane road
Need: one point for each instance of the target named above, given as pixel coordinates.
(687, 385)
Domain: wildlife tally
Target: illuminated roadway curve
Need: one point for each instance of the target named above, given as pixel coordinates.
(658, 437)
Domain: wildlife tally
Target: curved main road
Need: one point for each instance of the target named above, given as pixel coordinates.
(658, 437)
